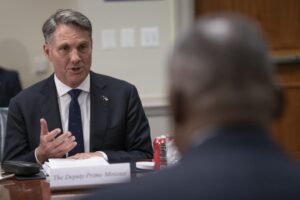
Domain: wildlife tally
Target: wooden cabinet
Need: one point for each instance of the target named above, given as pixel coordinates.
(287, 129)
(280, 23)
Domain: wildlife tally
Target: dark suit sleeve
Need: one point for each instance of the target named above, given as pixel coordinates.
(138, 144)
(16, 141)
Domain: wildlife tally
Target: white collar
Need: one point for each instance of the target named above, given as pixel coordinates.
(63, 89)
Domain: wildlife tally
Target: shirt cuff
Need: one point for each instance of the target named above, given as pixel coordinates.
(104, 155)
(36, 159)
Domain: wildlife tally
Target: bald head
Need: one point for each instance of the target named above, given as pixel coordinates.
(220, 73)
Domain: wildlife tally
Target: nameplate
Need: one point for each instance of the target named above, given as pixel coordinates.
(79, 177)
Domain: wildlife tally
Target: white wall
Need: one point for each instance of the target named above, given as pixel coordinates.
(21, 43)
(144, 67)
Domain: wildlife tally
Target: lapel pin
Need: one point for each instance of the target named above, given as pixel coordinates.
(105, 98)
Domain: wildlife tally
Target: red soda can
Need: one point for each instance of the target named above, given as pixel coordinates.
(160, 152)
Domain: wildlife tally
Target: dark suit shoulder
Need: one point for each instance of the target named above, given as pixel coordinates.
(30, 93)
(104, 80)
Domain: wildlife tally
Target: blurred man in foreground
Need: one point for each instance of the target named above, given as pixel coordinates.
(223, 97)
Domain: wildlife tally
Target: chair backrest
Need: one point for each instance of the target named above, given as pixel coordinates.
(3, 119)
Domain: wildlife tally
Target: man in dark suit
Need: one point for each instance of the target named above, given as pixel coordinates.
(223, 96)
(76, 112)
(10, 85)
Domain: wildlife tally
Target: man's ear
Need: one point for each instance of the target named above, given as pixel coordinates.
(46, 50)
(178, 107)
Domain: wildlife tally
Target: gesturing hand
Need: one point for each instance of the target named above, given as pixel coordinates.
(53, 145)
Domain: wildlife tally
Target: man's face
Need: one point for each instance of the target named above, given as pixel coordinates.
(70, 51)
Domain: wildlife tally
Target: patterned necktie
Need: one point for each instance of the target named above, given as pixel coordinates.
(75, 123)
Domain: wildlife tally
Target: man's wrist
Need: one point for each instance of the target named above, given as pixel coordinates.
(36, 157)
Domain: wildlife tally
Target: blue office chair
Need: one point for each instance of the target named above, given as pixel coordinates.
(3, 118)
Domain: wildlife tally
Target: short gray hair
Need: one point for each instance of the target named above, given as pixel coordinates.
(222, 65)
(66, 17)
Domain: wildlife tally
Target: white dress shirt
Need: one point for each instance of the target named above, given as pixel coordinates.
(84, 101)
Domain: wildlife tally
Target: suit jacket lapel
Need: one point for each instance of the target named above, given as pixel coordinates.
(49, 104)
(99, 112)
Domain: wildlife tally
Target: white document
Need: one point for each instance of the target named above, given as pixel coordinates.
(63, 162)
(58, 163)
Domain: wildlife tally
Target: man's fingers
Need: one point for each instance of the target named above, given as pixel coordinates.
(61, 150)
(66, 139)
(44, 126)
(53, 134)
(76, 156)
(64, 135)
(63, 144)
(80, 156)
(66, 148)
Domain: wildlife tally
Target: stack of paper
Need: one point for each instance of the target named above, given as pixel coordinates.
(69, 173)
(55, 163)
